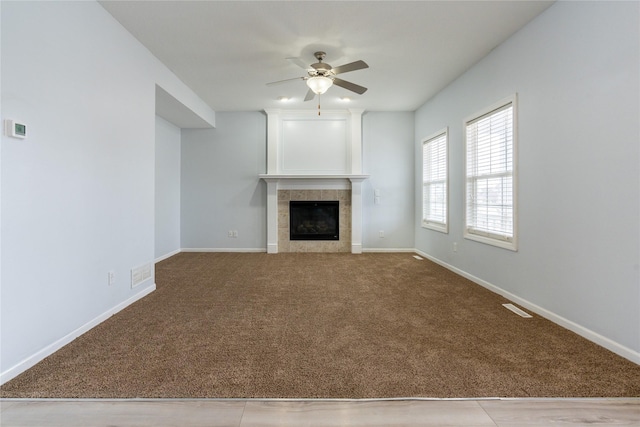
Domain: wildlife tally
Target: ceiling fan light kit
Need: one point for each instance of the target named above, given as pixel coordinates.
(319, 84)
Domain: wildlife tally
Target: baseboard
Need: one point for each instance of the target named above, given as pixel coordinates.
(248, 250)
(592, 336)
(168, 255)
(57, 345)
(389, 250)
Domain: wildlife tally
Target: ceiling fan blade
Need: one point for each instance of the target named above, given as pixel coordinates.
(349, 86)
(310, 95)
(284, 81)
(352, 66)
(299, 62)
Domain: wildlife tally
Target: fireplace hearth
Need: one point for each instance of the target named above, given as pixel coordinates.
(314, 220)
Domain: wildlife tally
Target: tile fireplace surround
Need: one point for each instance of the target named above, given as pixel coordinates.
(284, 188)
(311, 157)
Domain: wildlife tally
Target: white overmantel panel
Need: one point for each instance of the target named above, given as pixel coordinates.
(305, 143)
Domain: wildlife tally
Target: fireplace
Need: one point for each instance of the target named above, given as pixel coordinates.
(312, 158)
(314, 220)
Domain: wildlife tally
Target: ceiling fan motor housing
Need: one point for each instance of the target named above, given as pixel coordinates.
(321, 68)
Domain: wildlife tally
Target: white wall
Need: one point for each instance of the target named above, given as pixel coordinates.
(167, 189)
(576, 70)
(221, 190)
(78, 194)
(387, 149)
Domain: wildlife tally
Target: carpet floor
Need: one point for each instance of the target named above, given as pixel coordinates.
(237, 325)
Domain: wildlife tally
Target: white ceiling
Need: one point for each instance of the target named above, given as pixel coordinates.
(226, 51)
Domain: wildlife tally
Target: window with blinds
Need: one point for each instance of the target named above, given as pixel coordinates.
(490, 174)
(434, 182)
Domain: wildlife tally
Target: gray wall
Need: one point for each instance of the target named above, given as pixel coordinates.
(167, 189)
(221, 190)
(387, 140)
(576, 71)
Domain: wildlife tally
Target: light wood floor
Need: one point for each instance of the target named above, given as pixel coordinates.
(325, 413)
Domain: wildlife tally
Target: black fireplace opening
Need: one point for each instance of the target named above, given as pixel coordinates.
(314, 220)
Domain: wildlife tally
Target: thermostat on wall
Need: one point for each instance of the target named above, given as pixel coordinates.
(15, 129)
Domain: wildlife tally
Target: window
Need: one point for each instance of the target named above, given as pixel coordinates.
(434, 182)
(490, 213)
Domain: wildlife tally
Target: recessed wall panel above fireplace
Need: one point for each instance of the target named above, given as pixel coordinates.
(315, 146)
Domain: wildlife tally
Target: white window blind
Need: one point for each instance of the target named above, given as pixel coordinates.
(434, 182)
(490, 203)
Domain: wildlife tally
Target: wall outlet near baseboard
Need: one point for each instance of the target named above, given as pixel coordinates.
(111, 277)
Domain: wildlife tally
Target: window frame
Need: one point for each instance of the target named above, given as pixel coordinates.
(430, 224)
(500, 241)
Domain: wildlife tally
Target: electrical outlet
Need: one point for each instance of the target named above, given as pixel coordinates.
(455, 246)
(381, 234)
(230, 233)
(112, 278)
(235, 233)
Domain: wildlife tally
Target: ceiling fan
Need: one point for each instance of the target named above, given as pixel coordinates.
(321, 76)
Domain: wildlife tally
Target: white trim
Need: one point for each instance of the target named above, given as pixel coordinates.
(356, 248)
(32, 360)
(272, 248)
(592, 336)
(168, 255)
(433, 225)
(512, 243)
(252, 250)
(388, 250)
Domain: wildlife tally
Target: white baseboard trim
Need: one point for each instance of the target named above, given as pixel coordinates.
(389, 250)
(57, 345)
(272, 248)
(592, 336)
(169, 255)
(248, 250)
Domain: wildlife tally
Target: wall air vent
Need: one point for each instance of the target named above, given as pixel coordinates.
(517, 311)
(140, 274)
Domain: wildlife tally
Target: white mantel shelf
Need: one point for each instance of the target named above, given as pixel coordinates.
(266, 176)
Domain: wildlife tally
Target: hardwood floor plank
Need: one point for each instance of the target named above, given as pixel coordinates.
(564, 412)
(4, 404)
(112, 413)
(319, 413)
(365, 413)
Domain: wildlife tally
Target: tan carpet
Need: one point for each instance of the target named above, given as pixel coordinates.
(323, 325)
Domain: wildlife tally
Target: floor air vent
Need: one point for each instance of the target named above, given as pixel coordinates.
(517, 311)
(417, 257)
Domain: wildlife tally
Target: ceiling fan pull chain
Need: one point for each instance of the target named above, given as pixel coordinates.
(318, 104)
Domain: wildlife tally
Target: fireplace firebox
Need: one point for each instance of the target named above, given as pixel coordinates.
(314, 220)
